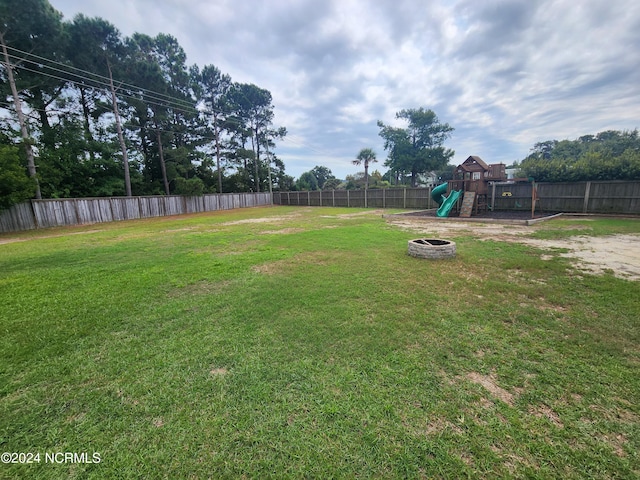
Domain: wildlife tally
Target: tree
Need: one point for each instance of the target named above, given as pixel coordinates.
(83, 99)
(30, 27)
(418, 148)
(322, 174)
(15, 185)
(365, 156)
(254, 113)
(307, 181)
(88, 40)
(214, 91)
(332, 184)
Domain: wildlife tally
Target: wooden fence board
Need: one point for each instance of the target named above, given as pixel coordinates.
(17, 218)
(69, 211)
(580, 197)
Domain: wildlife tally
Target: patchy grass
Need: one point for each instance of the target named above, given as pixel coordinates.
(288, 343)
(569, 227)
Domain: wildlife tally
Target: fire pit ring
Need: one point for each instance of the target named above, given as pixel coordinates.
(432, 248)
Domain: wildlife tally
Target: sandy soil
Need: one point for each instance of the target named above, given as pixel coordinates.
(618, 253)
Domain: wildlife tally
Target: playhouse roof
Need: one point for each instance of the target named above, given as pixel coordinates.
(473, 161)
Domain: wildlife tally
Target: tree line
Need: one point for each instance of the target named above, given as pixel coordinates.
(608, 155)
(88, 112)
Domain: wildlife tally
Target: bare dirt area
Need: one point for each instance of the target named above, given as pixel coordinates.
(619, 254)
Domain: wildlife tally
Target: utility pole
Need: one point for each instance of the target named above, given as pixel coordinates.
(125, 159)
(269, 169)
(26, 140)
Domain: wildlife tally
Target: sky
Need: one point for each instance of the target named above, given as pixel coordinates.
(505, 74)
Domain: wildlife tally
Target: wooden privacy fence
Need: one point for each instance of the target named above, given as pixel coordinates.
(77, 211)
(375, 198)
(581, 197)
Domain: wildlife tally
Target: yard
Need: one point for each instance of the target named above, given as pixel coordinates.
(293, 342)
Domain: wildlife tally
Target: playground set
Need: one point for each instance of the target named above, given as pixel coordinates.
(471, 181)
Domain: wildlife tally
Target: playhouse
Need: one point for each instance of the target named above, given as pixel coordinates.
(471, 184)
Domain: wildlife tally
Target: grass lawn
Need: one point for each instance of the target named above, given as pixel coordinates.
(293, 342)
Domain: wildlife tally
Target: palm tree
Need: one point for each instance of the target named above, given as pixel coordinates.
(365, 156)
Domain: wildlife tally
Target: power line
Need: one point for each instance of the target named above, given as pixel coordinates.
(101, 79)
(148, 100)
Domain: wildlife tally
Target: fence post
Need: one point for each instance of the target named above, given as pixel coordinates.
(404, 200)
(587, 191)
(383, 198)
(320, 197)
(493, 196)
(35, 215)
(308, 198)
(348, 205)
(365, 197)
(333, 197)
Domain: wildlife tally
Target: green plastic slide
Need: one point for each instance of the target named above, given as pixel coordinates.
(438, 193)
(448, 203)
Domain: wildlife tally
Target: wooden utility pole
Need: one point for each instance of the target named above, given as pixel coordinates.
(217, 133)
(125, 159)
(269, 170)
(163, 166)
(26, 140)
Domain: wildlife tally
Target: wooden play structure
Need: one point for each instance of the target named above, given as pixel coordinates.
(473, 177)
(470, 183)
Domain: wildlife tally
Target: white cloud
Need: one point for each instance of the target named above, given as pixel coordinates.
(504, 73)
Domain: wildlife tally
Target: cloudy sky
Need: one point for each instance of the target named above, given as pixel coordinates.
(504, 74)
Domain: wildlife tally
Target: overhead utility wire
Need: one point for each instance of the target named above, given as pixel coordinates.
(172, 102)
(122, 94)
(105, 81)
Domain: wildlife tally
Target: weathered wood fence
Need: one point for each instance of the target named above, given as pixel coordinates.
(582, 197)
(78, 211)
(374, 198)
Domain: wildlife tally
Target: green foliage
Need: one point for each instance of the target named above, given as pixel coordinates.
(418, 148)
(15, 184)
(365, 157)
(318, 178)
(189, 186)
(201, 122)
(332, 184)
(609, 155)
(323, 175)
(307, 181)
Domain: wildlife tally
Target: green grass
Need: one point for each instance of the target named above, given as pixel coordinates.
(312, 346)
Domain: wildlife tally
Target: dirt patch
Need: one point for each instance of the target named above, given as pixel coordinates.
(619, 254)
(308, 258)
(218, 372)
(355, 215)
(543, 411)
(284, 231)
(489, 383)
(25, 239)
(255, 220)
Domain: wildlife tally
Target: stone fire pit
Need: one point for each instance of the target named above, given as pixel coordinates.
(432, 248)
